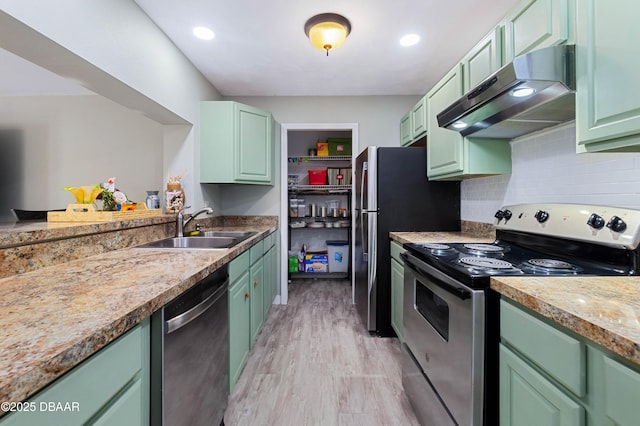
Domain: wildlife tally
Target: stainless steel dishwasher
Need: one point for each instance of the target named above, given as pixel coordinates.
(194, 352)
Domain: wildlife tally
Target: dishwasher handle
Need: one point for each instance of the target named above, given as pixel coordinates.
(181, 320)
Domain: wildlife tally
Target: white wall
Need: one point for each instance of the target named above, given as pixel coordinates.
(82, 140)
(378, 119)
(115, 50)
(546, 168)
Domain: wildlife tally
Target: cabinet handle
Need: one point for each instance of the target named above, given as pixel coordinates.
(255, 283)
(246, 295)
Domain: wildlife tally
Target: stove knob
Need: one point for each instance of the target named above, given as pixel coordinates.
(595, 221)
(541, 216)
(499, 214)
(503, 214)
(507, 214)
(616, 224)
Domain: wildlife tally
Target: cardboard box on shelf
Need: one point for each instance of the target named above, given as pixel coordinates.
(316, 262)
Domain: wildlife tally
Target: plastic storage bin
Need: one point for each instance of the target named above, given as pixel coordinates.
(338, 256)
(317, 177)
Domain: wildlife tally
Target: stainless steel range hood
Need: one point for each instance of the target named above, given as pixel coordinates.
(534, 91)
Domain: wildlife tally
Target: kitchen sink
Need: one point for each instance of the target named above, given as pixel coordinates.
(209, 240)
(243, 235)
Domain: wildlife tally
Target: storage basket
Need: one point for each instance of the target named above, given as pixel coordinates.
(339, 146)
(339, 175)
(317, 177)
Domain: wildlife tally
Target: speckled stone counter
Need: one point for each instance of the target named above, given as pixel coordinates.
(605, 310)
(439, 237)
(55, 317)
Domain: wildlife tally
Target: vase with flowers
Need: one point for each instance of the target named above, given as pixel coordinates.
(112, 198)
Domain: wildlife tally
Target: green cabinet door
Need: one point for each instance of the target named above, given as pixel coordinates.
(607, 69)
(256, 288)
(483, 60)
(535, 24)
(239, 327)
(445, 150)
(110, 387)
(419, 119)
(528, 399)
(269, 279)
(236, 144)
(405, 129)
(397, 297)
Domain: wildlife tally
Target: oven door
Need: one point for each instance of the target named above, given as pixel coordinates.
(444, 323)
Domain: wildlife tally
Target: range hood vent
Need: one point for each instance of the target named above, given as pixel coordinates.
(534, 91)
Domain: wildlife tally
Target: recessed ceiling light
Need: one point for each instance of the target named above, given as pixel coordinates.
(203, 33)
(409, 40)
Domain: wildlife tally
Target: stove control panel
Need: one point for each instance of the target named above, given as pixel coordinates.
(605, 225)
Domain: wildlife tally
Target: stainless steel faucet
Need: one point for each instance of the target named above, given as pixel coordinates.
(181, 224)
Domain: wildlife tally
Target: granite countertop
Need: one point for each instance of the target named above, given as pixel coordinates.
(605, 310)
(54, 318)
(440, 237)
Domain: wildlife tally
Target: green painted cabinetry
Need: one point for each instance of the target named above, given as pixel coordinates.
(535, 24)
(419, 119)
(252, 277)
(111, 387)
(607, 69)
(552, 376)
(257, 297)
(449, 155)
(483, 60)
(405, 129)
(236, 144)
(397, 289)
(239, 316)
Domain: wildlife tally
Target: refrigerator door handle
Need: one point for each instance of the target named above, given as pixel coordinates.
(363, 232)
(362, 181)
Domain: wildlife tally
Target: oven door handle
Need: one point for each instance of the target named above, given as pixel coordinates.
(459, 292)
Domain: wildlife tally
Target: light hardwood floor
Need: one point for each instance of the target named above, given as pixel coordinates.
(314, 364)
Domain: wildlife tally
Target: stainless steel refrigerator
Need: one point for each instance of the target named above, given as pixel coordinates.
(393, 194)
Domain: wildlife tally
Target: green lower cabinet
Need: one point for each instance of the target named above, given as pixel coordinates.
(256, 289)
(539, 385)
(527, 398)
(111, 387)
(239, 312)
(270, 276)
(252, 277)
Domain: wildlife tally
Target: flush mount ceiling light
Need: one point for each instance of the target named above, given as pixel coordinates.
(327, 31)
(522, 92)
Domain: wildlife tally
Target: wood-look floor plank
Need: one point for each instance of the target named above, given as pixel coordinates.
(314, 364)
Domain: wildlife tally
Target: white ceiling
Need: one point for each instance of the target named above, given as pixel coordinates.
(260, 48)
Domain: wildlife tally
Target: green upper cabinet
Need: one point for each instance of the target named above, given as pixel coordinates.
(419, 119)
(534, 24)
(483, 60)
(445, 148)
(405, 129)
(236, 144)
(607, 101)
(449, 155)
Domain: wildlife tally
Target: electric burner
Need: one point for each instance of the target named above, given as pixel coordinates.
(550, 264)
(484, 248)
(485, 263)
(434, 246)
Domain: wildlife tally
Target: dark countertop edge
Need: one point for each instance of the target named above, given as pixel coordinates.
(77, 352)
(604, 337)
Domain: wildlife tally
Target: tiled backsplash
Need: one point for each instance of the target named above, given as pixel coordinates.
(546, 168)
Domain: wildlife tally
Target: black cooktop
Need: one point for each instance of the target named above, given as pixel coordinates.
(474, 264)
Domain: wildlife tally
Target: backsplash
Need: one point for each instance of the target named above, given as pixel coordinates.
(546, 168)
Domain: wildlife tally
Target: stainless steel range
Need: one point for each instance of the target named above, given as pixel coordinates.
(450, 364)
